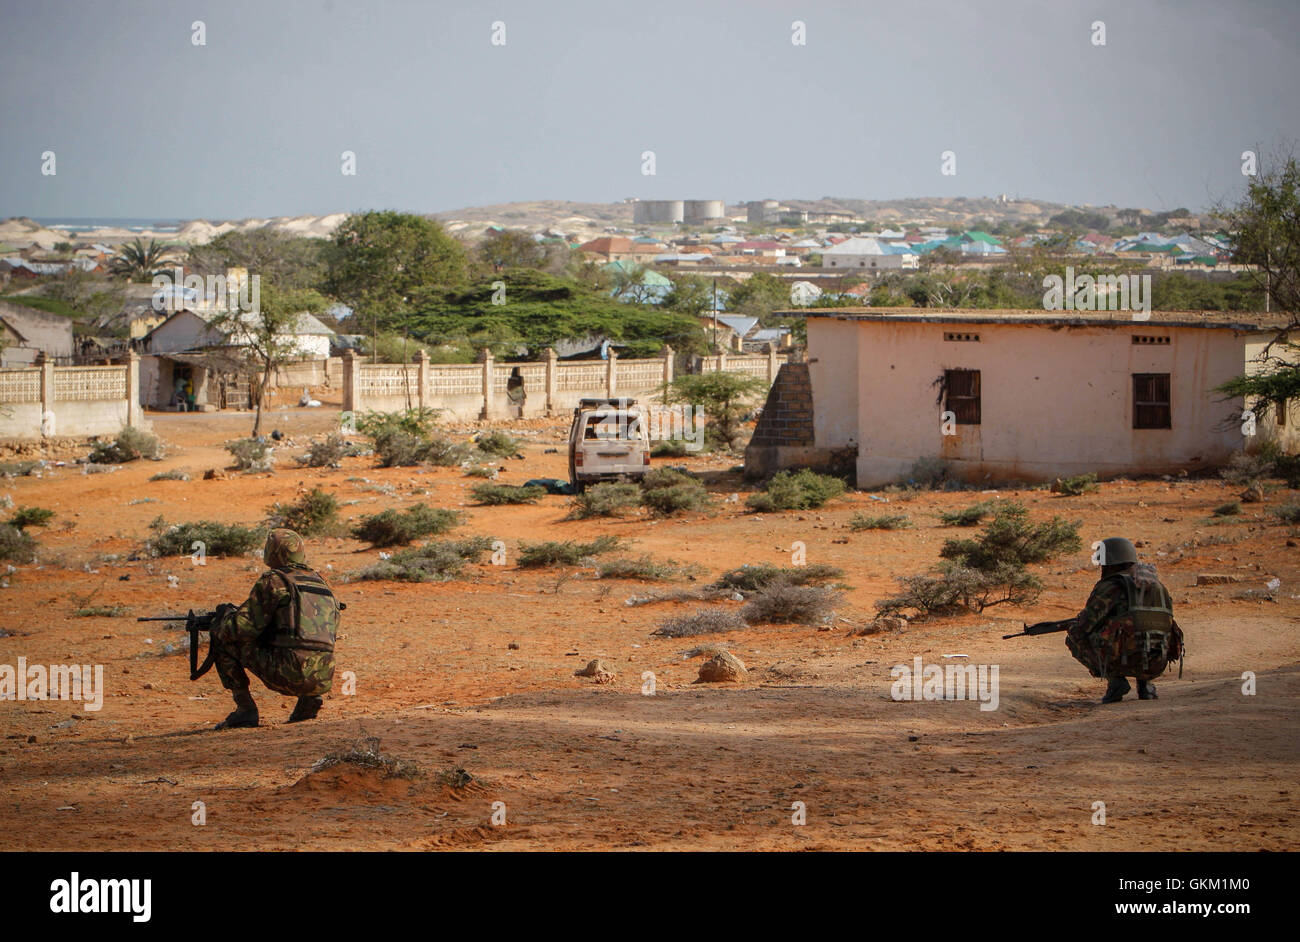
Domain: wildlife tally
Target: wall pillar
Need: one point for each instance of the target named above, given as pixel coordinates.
(771, 364)
(667, 354)
(552, 379)
(133, 409)
(611, 374)
(489, 398)
(422, 377)
(722, 359)
(46, 366)
(351, 381)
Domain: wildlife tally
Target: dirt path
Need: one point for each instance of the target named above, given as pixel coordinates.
(580, 765)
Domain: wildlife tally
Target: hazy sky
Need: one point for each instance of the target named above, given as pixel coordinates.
(144, 123)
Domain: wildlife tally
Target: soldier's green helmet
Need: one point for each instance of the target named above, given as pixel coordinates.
(284, 548)
(1117, 551)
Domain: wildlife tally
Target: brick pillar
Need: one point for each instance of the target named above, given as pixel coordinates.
(611, 374)
(552, 379)
(422, 377)
(489, 405)
(133, 410)
(46, 367)
(351, 381)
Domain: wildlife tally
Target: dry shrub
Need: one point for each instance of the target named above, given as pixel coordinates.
(496, 494)
(781, 602)
(751, 577)
(606, 500)
(705, 621)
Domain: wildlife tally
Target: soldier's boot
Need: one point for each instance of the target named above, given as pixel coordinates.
(305, 709)
(1146, 690)
(1115, 692)
(245, 713)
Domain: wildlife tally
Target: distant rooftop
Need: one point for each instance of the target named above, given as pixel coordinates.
(1222, 320)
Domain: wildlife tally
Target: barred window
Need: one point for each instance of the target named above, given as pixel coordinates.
(962, 395)
(1151, 408)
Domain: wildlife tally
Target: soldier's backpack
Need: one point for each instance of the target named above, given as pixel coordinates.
(310, 621)
(1145, 640)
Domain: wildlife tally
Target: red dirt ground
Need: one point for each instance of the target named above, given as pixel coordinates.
(586, 766)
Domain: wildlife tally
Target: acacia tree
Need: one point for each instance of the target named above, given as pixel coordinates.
(384, 264)
(1266, 228)
(723, 397)
(269, 333)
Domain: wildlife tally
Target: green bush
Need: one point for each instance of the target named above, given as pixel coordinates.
(15, 545)
(102, 611)
(643, 567)
(250, 454)
(507, 493)
(480, 471)
(679, 498)
(968, 516)
(436, 561)
(394, 528)
(883, 522)
(416, 421)
(566, 553)
(957, 588)
(754, 576)
(1245, 468)
(314, 514)
(25, 517)
(798, 490)
(1079, 484)
(175, 474)
(1010, 539)
(401, 449)
(657, 478)
(218, 539)
(927, 473)
(329, 452)
(131, 444)
(497, 444)
(674, 448)
(1230, 509)
(606, 500)
(1288, 513)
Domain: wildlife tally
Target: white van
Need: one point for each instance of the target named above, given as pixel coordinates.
(608, 441)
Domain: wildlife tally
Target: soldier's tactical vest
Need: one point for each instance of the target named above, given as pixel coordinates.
(1144, 640)
(310, 621)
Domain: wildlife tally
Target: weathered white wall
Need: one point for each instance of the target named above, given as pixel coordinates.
(1055, 401)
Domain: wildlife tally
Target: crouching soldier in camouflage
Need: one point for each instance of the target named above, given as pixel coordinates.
(1127, 628)
(284, 633)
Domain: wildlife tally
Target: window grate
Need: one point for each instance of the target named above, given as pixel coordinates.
(962, 338)
(1151, 406)
(962, 395)
(1150, 341)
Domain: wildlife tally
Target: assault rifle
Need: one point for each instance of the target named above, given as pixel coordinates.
(194, 623)
(1043, 628)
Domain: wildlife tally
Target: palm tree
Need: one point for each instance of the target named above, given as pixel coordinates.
(140, 261)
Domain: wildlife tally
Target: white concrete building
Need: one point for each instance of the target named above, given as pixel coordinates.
(865, 254)
(1032, 395)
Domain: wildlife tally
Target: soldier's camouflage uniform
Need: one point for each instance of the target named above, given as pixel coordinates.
(1127, 628)
(261, 635)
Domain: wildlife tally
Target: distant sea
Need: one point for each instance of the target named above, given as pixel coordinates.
(85, 223)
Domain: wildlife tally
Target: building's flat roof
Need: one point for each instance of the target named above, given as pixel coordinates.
(1219, 320)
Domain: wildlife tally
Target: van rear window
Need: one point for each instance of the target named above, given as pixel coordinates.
(612, 428)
